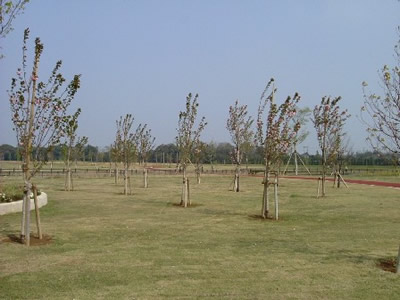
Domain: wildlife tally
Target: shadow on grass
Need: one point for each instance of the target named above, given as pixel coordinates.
(260, 218)
(387, 264)
(35, 241)
(189, 206)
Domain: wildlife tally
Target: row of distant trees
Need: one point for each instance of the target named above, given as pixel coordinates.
(214, 153)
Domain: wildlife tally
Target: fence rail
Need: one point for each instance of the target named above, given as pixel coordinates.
(169, 171)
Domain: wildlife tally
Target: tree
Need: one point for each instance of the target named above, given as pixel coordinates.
(239, 127)
(275, 135)
(384, 112)
(126, 141)
(73, 148)
(116, 155)
(340, 159)
(144, 144)
(39, 114)
(328, 121)
(187, 134)
(198, 155)
(383, 124)
(301, 118)
(9, 9)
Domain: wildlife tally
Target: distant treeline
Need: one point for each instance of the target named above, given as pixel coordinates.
(214, 153)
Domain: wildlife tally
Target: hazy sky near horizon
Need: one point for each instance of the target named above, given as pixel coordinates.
(144, 57)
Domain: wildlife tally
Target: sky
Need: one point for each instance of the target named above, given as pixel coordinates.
(144, 57)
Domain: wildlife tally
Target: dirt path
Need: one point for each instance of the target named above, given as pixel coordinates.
(356, 181)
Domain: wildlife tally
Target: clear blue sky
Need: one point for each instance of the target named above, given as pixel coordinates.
(144, 57)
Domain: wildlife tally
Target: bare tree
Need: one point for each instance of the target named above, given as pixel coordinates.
(328, 121)
(239, 127)
(383, 111)
(126, 141)
(144, 144)
(187, 134)
(275, 134)
(39, 114)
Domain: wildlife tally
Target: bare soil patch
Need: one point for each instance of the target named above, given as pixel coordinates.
(260, 217)
(35, 241)
(387, 264)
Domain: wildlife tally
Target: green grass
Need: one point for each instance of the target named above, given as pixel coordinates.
(109, 246)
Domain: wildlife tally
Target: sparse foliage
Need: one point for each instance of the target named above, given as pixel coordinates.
(383, 111)
(144, 144)
(9, 9)
(126, 145)
(328, 121)
(73, 147)
(39, 114)
(187, 135)
(275, 135)
(239, 127)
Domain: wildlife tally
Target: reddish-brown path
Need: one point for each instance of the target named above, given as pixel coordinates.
(357, 181)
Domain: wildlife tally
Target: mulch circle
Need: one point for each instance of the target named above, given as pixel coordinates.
(261, 218)
(387, 264)
(35, 241)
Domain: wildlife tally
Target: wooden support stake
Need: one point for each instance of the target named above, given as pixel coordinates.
(38, 226)
(28, 218)
(188, 192)
(276, 198)
(319, 186)
(398, 262)
(344, 182)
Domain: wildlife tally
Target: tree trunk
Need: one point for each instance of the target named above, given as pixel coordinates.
(145, 177)
(28, 188)
(185, 189)
(198, 174)
(126, 181)
(265, 203)
(323, 183)
(236, 186)
(116, 173)
(296, 166)
(38, 226)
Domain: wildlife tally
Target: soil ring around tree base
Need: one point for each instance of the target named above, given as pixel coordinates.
(35, 241)
(387, 264)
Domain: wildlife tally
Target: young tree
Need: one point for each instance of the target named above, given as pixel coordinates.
(144, 144)
(73, 148)
(187, 134)
(199, 152)
(383, 111)
(126, 141)
(328, 121)
(9, 9)
(116, 157)
(340, 159)
(301, 118)
(39, 114)
(275, 135)
(239, 127)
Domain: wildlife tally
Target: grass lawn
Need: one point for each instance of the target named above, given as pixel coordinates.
(109, 246)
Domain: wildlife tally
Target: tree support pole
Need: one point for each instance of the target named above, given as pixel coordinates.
(38, 226)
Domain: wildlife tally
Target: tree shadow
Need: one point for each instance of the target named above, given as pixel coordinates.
(34, 240)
